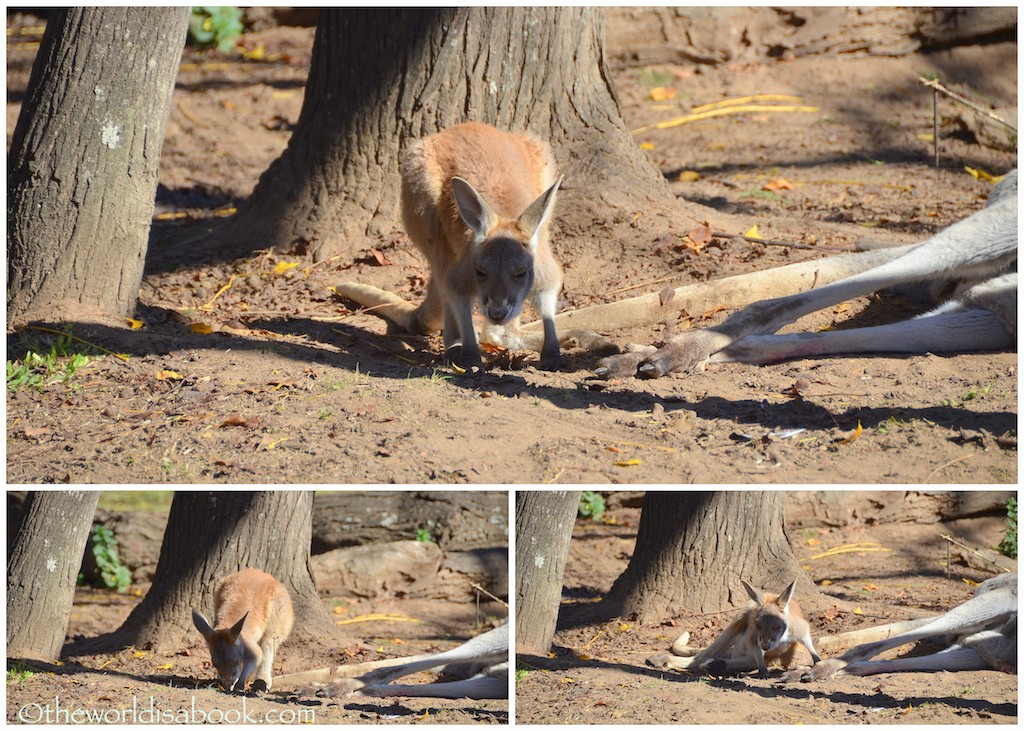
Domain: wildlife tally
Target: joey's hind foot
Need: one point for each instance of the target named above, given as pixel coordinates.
(623, 365)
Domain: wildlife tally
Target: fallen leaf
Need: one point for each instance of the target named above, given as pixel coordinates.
(753, 233)
(239, 420)
(700, 235)
(36, 432)
(853, 435)
(380, 258)
(282, 266)
(169, 376)
(663, 93)
(625, 627)
(981, 174)
(826, 582)
(646, 145)
(666, 295)
(780, 184)
(567, 681)
(135, 324)
(200, 327)
(813, 541)
(712, 311)
(627, 463)
(870, 587)
(858, 610)
(688, 176)
(168, 666)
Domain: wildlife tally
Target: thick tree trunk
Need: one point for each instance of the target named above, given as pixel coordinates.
(544, 523)
(210, 535)
(42, 570)
(541, 70)
(82, 169)
(693, 548)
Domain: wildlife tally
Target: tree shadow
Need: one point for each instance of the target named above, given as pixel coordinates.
(566, 659)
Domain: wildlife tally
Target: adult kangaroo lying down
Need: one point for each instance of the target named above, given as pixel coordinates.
(972, 265)
(979, 634)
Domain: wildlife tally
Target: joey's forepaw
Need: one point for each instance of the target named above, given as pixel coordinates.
(258, 687)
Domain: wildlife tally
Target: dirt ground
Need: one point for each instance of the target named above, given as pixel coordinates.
(293, 387)
(612, 685)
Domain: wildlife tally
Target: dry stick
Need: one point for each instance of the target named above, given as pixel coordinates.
(484, 591)
(778, 242)
(950, 539)
(935, 124)
(935, 84)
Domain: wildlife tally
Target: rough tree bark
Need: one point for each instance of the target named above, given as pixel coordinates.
(210, 535)
(544, 523)
(82, 169)
(542, 70)
(42, 570)
(693, 548)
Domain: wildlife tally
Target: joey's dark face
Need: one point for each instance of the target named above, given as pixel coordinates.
(503, 271)
(771, 629)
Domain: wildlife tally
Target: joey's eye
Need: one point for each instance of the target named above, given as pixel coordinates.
(519, 275)
(481, 274)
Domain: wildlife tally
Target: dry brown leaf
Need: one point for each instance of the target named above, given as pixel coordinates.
(780, 184)
(666, 295)
(380, 258)
(701, 235)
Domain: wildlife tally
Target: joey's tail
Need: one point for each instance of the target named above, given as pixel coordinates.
(383, 304)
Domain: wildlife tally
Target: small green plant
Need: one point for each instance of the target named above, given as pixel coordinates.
(18, 673)
(423, 535)
(1009, 545)
(768, 195)
(112, 573)
(654, 77)
(324, 413)
(39, 368)
(591, 505)
(215, 26)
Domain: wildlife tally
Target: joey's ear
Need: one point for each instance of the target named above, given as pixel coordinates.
(201, 624)
(237, 629)
(754, 593)
(539, 211)
(473, 209)
(787, 594)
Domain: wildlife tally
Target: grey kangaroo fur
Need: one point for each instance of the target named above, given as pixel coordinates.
(979, 634)
(484, 658)
(972, 263)
(771, 628)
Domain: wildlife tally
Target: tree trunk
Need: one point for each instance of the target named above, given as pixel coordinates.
(82, 169)
(335, 188)
(693, 548)
(42, 570)
(544, 523)
(210, 535)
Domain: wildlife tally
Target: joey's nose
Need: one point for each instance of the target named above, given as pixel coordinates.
(499, 312)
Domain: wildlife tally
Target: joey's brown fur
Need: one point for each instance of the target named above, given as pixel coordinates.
(477, 202)
(771, 629)
(252, 617)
